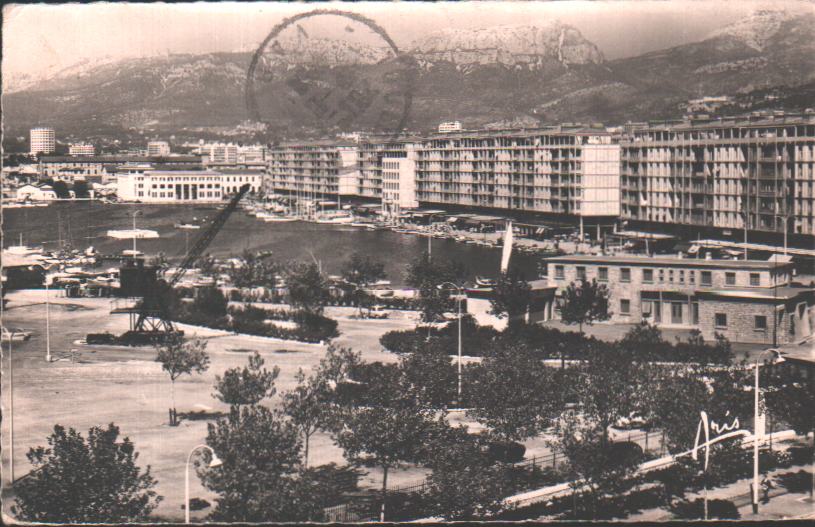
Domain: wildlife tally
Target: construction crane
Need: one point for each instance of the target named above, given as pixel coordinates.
(151, 320)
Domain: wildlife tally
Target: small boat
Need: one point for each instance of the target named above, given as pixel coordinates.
(187, 226)
(278, 219)
(484, 282)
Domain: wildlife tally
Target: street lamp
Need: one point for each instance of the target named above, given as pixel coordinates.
(777, 359)
(47, 322)
(446, 285)
(215, 462)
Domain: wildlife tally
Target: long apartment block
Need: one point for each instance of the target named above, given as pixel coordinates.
(721, 173)
(558, 170)
(702, 175)
(312, 170)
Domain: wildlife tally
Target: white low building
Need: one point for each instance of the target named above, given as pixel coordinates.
(38, 192)
(174, 186)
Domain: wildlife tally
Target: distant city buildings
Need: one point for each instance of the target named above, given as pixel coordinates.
(37, 192)
(158, 148)
(103, 169)
(43, 141)
(450, 126)
(218, 153)
(81, 149)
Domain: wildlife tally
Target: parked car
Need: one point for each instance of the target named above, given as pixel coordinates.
(378, 311)
(15, 334)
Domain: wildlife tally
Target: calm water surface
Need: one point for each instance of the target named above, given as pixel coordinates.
(87, 223)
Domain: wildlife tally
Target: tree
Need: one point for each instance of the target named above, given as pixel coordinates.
(511, 297)
(427, 276)
(307, 286)
(86, 481)
(308, 407)
(362, 271)
(513, 392)
(259, 480)
(384, 436)
(210, 302)
(593, 463)
(585, 303)
(61, 189)
(464, 484)
(427, 375)
(643, 342)
(253, 270)
(81, 189)
(179, 358)
(249, 385)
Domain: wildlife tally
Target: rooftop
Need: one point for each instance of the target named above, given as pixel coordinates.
(120, 159)
(657, 261)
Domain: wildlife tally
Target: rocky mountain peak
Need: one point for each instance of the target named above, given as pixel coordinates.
(755, 30)
(514, 46)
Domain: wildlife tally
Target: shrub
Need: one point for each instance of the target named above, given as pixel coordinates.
(505, 451)
(101, 338)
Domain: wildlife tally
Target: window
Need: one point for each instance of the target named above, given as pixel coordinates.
(691, 277)
(707, 278)
(681, 277)
(760, 323)
(730, 278)
(625, 306)
(648, 276)
(661, 275)
(646, 309)
(755, 279)
(676, 312)
(625, 275)
(559, 273)
(603, 274)
(721, 320)
(581, 272)
(671, 276)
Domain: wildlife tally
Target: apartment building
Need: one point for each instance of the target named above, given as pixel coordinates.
(716, 176)
(81, 149)
(312, 170)
(735, 298)
(158, 148)
(399, 183)
(214, 153)
(371, 154)
(42, 141)
(561, 170)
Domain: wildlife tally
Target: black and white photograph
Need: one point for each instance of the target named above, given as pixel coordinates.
(408, 262)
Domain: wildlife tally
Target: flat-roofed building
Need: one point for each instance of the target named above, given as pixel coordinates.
(311, 170)
(566, 171)
(399, 183)
(81, 149)
(158, 148)
(716, 176)
(148, 185)
(104, 168)
(219, 153)
(746, 301)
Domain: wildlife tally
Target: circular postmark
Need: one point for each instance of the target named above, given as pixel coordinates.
(330, 71)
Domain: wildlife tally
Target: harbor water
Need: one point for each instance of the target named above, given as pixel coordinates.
(82, 224)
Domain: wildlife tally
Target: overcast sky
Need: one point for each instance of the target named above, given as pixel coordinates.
(45, 38)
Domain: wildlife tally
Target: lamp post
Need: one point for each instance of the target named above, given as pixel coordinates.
(458, 289)
(216, 462)
(778, 359)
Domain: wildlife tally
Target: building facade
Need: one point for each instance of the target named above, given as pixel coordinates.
(558, 170)
(219, 153)
(399, 183)
(43, 141)
(312, 171)
(158, 148)
(746, 301)
(146, 185)
(81, 149)
(39, 192)
(756, 171)
(104, 168)
(449, 126)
